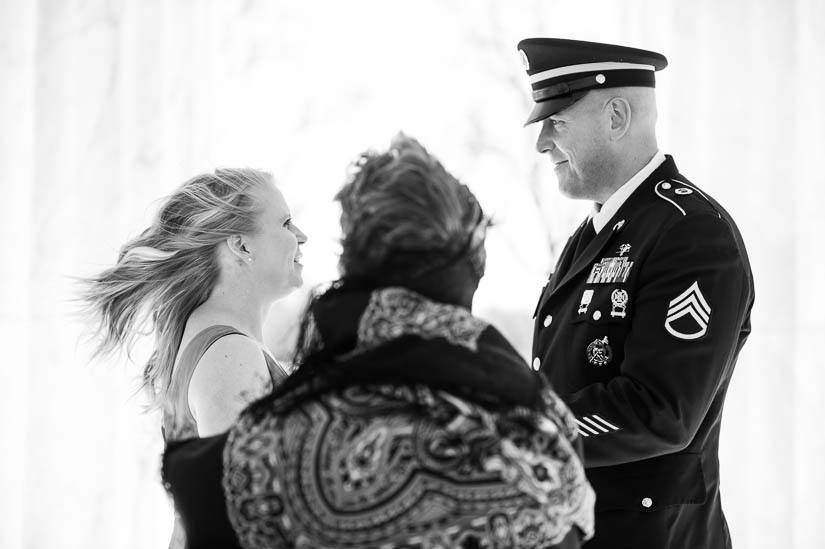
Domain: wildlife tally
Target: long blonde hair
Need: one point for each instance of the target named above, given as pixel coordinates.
(170, 269)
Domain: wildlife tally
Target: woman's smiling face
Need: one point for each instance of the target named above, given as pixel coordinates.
(276, 246)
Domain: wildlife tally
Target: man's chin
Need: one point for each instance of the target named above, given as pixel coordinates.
(570, 190)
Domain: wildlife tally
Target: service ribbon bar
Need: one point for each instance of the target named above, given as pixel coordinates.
(610, 270)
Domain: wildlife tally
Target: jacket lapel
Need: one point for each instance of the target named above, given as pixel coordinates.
(616, 224)
(566, 258)
(585, 260)
(562, 266)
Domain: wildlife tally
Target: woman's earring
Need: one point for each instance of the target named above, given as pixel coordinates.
(249, 259)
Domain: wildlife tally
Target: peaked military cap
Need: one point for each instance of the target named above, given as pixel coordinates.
(562, 71)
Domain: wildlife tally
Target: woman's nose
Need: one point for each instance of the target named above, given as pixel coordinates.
(299, 234)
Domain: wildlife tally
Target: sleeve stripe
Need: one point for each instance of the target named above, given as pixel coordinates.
(596, 425)
(582, 426)
(606, 422)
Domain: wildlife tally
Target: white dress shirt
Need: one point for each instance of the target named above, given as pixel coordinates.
(601, 216)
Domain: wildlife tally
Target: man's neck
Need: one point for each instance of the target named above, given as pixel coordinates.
(624, 170)
(605, 211)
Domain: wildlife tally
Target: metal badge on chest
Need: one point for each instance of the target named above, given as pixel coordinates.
(599, 352)
(609, 270)
(619, 300)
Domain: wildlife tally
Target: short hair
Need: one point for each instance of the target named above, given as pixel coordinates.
(405, 216)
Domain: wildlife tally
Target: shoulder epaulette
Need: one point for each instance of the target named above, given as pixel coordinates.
(676, 193)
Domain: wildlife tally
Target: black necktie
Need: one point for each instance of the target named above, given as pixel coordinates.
(587, 235)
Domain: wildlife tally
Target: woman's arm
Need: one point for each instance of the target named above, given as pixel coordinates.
(231, 374)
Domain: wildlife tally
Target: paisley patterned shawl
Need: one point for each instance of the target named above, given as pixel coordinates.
(413, 446)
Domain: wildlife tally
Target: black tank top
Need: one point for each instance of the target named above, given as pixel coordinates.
(196, 488)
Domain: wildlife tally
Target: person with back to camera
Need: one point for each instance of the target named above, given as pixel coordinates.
(409, 422)
(203, 276)
(639, 327)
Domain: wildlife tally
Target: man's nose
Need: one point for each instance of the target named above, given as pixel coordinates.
(545, 142)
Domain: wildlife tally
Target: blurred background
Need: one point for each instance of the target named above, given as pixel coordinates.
(107, 106)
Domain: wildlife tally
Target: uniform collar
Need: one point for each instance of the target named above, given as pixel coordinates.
(603, 215)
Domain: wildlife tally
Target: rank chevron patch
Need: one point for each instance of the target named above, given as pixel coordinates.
(690, 303)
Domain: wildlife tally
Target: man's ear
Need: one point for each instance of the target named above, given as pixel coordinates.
(619, 112)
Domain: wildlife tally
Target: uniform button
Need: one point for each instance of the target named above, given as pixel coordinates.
(597, 315)
(665, 186)
(547, 320)
(167, 485)
(536, 364)
(647, 503)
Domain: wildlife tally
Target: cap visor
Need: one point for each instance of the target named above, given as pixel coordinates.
(550, 107)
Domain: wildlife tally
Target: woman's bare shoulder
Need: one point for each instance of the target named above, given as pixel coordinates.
(230, 374)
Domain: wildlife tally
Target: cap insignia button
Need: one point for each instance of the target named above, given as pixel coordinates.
(600, 79)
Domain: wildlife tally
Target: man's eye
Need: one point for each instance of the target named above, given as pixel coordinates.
(288, 222)
(556, 123)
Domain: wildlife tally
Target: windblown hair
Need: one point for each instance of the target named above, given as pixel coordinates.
(170, 269)
(404, 216)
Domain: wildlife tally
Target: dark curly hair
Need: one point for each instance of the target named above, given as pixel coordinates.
(407, 221)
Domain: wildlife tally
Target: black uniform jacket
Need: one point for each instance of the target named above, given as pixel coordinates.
(639, 334)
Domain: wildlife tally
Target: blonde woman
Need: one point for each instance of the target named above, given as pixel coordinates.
(222, 249)
(202, 277)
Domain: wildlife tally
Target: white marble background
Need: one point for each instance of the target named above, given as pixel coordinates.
(105, 106)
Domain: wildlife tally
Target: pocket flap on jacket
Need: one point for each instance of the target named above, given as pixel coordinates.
(675, 479)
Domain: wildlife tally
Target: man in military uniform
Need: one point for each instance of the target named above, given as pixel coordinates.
(639, 327)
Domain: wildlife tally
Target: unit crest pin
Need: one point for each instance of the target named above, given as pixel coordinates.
(599, 352)
(623, 249)
(619, 299)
